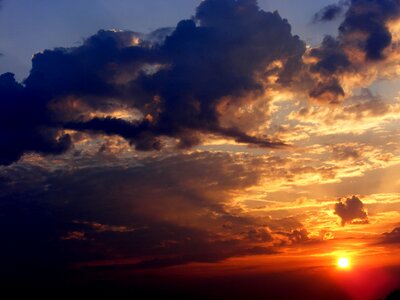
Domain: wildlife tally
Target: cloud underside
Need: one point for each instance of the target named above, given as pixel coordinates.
(392, 237)
(150, 215)
(193, 80)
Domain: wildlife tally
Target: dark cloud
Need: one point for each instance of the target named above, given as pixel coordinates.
(351, 211)
(370, 18)
(149, 214)
(364, 30)
(331, 57)
(215, 55)
(331, 60)
(328, 91)
(175, 79)
(328, 13)
(142, 134)
(23, 125)
(392, 237)
(26, 122)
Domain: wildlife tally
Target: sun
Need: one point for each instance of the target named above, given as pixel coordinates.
(343, 263)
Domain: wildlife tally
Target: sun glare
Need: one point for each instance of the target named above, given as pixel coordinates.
(343, 263)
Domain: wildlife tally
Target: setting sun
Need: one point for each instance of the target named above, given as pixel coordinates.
(343, 263)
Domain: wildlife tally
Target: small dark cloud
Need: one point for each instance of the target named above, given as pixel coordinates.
(392, 237)
(328, 13)
(328, 91)
(351, 211)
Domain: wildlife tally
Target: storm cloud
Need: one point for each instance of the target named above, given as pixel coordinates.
(168, 87)
(173, 79)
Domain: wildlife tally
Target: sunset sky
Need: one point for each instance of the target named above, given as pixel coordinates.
(219, 149)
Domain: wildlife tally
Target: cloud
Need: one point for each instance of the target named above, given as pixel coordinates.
(216, 74)
(358, 114)
(347, 152)
(331, 57)
(329, 91)
(173, 79)
(392, 237)
(365, 24)
(361, 48)
(370, 18)
(23, 125)
(153, 212)
(351, 211)
(328, 13)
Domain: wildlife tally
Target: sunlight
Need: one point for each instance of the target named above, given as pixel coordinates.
(343, 263)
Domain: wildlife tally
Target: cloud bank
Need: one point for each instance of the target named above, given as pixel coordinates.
(152, 214)
(176, 85)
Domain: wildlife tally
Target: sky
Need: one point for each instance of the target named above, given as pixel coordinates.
(209, 149)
